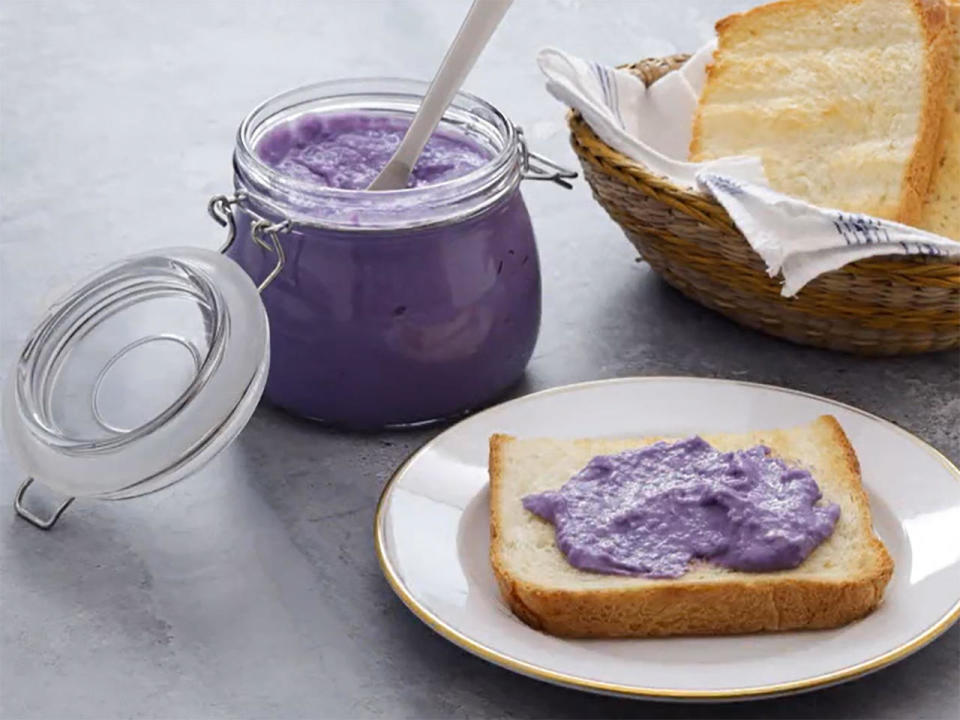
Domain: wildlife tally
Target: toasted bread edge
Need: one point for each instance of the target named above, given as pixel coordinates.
(764, 604)
(919, 172)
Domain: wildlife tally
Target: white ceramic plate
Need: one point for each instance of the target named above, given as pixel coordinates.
(432, 538)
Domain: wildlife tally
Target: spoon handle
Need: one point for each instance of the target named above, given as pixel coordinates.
(482, 19)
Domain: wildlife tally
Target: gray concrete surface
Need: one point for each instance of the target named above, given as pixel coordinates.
(252, 590)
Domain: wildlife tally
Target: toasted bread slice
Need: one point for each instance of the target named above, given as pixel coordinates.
(842, 100)
(842, 580)
(941, 211)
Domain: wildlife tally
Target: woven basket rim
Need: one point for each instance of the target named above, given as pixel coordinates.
(611, 161)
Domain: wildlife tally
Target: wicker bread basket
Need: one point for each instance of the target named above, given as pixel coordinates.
(882, 306)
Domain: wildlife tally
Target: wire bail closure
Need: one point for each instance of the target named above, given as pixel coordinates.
(30, 516)
(262, 231)
(539, 167)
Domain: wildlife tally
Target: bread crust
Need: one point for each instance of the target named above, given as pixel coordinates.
(944, 172)
(763, 603)
(918, 172)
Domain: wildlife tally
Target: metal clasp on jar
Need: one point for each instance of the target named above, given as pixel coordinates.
(262, 231)
(538, 167)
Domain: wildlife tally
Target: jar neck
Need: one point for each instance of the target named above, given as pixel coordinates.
(310, 204)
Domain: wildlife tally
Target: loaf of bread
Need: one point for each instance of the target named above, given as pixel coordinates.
(842, 100)
(941, 211)
(843, 579)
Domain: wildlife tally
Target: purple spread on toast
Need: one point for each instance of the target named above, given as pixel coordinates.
(651, 511)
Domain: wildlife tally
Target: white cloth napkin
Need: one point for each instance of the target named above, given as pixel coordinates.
(652, 126)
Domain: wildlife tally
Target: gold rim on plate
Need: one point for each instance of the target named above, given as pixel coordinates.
(540, 673)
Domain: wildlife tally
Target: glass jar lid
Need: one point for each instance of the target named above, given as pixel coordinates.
(139, 375)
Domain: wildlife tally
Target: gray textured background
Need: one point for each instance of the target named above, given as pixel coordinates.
(252, 590)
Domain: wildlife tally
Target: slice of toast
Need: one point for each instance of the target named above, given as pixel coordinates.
(941, 211)
(843, 579)
(842, 100)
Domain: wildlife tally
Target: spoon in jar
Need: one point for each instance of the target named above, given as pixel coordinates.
(482, 19)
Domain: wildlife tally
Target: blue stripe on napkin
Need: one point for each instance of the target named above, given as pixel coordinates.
(611, 93)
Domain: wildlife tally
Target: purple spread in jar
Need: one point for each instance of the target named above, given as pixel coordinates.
(394, 307)
(650, 511)
(348, 151)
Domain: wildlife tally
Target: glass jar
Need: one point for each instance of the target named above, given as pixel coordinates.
(392, 308)
(396, 307)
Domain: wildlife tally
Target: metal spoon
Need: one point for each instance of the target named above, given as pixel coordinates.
(482, 19)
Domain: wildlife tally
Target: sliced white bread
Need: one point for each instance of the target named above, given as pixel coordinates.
(842, 99)
(842, 580)
(941, 211)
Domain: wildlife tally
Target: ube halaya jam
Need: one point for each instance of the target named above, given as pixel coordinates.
(651, 511)
(394, 307)
(348, 151)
